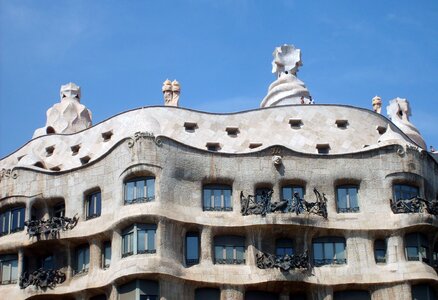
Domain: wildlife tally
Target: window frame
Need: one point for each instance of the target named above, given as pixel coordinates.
(224, 245)
(7, 220)
(10, 261)
(284, 244)
(214, 190)
(132, 235)
(82, 252)
(105, 246)
(192, 261)
(380, 245)
(398, 193)
(348, 199)
(325, 260)
(148, 190)
(93, 205)
(421, 244)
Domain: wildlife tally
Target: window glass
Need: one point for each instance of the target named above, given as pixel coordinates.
(423, 292)
(12, 220)
(106, 254)
(192, 248)
(47, 263)
(207, 294)
(140, 190)
(138, 239)
(352, 295)
(259, 295)
(9, 269)
(404, 191)
(93, 205)
(328, 250)
(380, 251)
(417, 247)
(217, 197)
(260, 192)
(346, 199)
(82, 259)
(229, 249)
(283, 247)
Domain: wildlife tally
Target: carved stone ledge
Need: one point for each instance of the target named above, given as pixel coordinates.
(253, 205)
(414, 205)
(284, 263)
(51, 226)
(42, 279)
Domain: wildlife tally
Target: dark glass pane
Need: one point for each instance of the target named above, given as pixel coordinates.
(192, 247)
(151, 239)
(207, 294)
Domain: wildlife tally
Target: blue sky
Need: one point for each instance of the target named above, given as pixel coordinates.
(120, 52)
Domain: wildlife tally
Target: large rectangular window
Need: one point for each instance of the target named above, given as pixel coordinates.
(229, 250)
(9, 269)
(139, 239)
(346, 199)
(417, 247)
(94, 205)
(106, 257)
(329, 250)
(192, 248)
(284, 247)
(82, 259)
(140, 190)
(12, 220)
(217, 198)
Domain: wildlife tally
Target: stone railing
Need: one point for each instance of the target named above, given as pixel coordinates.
(284, 263)
(261, 205)
(42, 279)
(414, 205)
(52, 226)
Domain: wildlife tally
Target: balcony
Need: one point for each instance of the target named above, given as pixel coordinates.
(50, 227)
(414, 205)
(285, 263)
(42, 279)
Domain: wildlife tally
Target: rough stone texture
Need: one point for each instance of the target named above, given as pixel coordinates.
(181, 170)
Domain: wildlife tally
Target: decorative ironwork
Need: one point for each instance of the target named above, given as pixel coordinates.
(218, 208)
(143, 135)
(140, 200)
(284, 263)
(51, 226)
(329, 261)
(414, 205)
(229, 261)
(348, 209)
(261, 204)
(42, 279)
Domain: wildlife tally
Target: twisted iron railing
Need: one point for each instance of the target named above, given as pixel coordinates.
(261, 205)
(51, 226)
(285, 263)
(42, 279)
(414, 205)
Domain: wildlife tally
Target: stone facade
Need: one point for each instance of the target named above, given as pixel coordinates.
(181, 170)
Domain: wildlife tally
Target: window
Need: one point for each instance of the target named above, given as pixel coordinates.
(297, 296)
(12, 220)
(346, 199)
(283, 247)
(192, 248)
(262, 192)
(329, 250)
(217, 198)
(139, 190)
(380, 251)
(404, 192)
(106, 255)
(289, 193)
(207, 294)
(139, 239)
(94, 204)
(435, 256)
(423, 292)
(417, 247)
(139, 290)
(47, 262)
(229, 250)
(82, 259)
(59, 210)
(352, 295)
(9, 269)
(258, 295)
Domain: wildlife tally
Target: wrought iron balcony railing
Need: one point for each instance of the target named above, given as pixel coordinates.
(139, 200)
(52, 226)
(285, 262)
(262, 205)
(229, 261)
(414, 205)
(42, 279)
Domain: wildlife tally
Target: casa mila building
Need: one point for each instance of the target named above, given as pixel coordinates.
(292, 200)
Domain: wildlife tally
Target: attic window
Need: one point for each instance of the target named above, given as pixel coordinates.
(323, 148)
(342, 124)
(107, 135)
(295, 123)
(254, 145)
(50, 130)
(75, 149)
(56, 169)
(381, 129)
(49, 150)
(85, 159)
(232, 131)
(213, 146)
(39, 165)
(20, 157)
(190, 126)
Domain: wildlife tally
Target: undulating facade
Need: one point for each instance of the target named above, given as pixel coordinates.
(293, 200)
